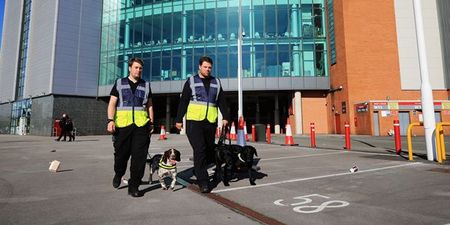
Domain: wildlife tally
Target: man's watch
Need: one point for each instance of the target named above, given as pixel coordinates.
(109, 120)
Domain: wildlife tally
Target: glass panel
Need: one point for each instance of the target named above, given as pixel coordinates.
(210, 28)
(222, 31)
(270, 22)
(175, 74)
(222, 65)
(177, 28)
(259, 26)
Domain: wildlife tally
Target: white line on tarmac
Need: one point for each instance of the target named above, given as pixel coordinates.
(301, 156)
(317, 177)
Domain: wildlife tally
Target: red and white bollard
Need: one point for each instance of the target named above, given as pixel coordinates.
(253, 133)
(398, 140)
(268, 136)
(313, 135)
(347, 136)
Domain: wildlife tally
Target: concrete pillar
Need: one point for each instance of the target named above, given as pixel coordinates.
(297, 106)
(276, 116)
(257, 115)
(167, 114)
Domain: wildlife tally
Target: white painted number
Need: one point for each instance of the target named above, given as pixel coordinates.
(300, 206)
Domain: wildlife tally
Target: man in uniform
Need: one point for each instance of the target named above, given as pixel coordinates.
(201, 98)
(130, 120)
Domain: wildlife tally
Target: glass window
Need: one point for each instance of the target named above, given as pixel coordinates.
(189, 26)
(156, 67)
(222, 65)
(175, 73)
(318, 21)
(233, 64)
(199, 25)
(272, 67)
(167, 29)
(283, 21)
(157, 29)
(177, 28)
(259, 24)
(233, 23)
(259, 61)
(210, 27)
(165, 68)
(222, 31)
(270, 22)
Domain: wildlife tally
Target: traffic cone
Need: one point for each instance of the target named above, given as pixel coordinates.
(233, 132)
(241, 132)
(162, 135)
(289, 140)
(245, 131)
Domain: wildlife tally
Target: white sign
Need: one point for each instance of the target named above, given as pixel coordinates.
(302, 203)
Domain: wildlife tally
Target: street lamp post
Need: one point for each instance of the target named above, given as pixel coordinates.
(239, 43)
(425, 87)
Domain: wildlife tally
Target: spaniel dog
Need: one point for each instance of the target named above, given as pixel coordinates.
(166, 165)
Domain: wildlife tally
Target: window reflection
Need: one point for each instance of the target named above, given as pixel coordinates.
(281, 39)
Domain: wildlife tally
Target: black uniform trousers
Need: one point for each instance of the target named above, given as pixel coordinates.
(201, 136)
(131, 141)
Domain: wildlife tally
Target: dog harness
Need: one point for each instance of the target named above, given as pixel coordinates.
(165, 166)
(131, 107)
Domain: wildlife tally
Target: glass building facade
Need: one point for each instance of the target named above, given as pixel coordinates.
(283, 38)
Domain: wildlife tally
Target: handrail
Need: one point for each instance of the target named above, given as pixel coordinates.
(408, 135)
(440, 141)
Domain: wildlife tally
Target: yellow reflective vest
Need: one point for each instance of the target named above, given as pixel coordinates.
(131, 107)
(202, 105)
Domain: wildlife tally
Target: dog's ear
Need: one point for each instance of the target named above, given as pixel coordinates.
(252, 150)
(166, 156)
(177, 155)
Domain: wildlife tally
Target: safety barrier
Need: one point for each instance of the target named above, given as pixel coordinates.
(440, 141)
(408, 135)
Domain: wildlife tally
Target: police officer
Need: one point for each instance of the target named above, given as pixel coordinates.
(201, 98)
(130, 120)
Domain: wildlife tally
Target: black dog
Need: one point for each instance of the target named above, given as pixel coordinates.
(234, 157)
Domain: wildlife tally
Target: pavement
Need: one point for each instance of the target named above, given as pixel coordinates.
(295, 185)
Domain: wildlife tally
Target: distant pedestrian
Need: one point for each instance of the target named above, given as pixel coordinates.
(69, 129)
(62, 126)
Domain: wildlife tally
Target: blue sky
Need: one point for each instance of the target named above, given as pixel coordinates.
(2, 7)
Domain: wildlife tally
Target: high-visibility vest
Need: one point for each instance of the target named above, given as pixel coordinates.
(131, 108)
(202, 105)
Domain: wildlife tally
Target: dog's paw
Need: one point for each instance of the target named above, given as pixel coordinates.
(252, 183)
(172, 188)
(164, 188)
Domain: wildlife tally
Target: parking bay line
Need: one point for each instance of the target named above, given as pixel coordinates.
(304, 156)
(317, 177)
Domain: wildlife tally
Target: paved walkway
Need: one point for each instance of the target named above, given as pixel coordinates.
(295, 185)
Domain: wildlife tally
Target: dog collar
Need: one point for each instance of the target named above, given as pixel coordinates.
(239, 156)
(165, 166)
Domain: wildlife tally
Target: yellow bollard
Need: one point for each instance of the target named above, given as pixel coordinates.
(408, 136)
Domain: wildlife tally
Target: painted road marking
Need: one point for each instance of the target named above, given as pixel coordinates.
(317, 177)
(300, 207)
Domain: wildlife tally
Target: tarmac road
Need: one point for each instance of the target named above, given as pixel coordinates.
(295, 185)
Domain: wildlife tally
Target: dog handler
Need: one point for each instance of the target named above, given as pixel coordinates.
(130, 120)
(201, 98)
